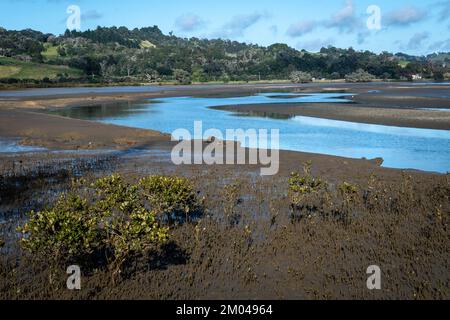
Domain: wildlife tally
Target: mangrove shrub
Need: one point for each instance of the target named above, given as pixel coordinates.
(109, 216)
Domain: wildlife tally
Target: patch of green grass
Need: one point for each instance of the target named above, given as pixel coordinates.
(12, 68)
(403, 63)
(8, 71)
(147, 44)
(50, 52)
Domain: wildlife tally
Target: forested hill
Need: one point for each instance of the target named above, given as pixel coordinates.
(119, 54)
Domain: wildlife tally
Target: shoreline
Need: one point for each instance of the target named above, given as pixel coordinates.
(375, 103)
(253, 241)
(407, 118)
(23, 118)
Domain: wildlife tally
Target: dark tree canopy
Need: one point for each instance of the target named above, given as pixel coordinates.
(117, 53)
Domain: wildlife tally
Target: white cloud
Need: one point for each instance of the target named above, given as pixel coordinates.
(315, 45)
(406, 16)
(237, 26)
(444, 14)
(443, 45)
(301, 28)
(417, 40)
(344, 19)
(91, 15)
(189, 22)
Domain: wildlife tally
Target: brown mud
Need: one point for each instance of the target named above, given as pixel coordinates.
(253, 244)
(250, 244)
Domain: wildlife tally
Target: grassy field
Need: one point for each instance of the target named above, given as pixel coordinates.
(12, 68)
(50, 51)
(403, 63)
(147, 44)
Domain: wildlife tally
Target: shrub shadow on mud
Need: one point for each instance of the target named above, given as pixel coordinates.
(170, 254)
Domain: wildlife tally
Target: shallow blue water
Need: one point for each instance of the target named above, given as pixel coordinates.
(12, 146)
(407, 148)
(435, 109)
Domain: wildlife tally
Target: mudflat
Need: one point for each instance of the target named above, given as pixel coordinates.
(403, 106)
(390, 116)
(23, 116)
(56, 132)
(394, 104)
(253, 240)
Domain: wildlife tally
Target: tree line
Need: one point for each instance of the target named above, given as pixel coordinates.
(147, 55)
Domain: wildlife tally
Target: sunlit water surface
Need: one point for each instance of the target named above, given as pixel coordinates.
(407, 148)
(13, 146)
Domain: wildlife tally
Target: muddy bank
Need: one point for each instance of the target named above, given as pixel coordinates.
(402, 105)
(55, 98)
(57, 132)
(394, 104)
(254, 244)
(411, 118)
(251, 243)
(378, 103)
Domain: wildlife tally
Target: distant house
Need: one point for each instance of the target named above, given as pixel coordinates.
(416, 77)
(23, 57)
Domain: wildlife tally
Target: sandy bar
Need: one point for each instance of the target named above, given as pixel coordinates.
(23, 117)
(413, 118)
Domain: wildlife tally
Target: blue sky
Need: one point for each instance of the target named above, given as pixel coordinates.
(411, 26)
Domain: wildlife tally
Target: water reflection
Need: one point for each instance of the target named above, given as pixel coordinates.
(400, 147)
(260, 114)
(105, 111)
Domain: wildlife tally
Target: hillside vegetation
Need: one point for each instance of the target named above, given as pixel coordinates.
(13, 68)
(147, 55)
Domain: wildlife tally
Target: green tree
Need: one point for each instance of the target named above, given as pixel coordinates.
(182, 77)
(300, 77)
(359, 76)
(198, 75)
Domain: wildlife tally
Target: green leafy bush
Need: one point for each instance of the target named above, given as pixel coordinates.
(349, 192)
(134, 234)
(69, 229)
(312, 196)
(308, 194)
(349, 196)
(115, 196)
(130, 228)
(300, 77)
(110, 216)
(172, 197)
(182, 77)
(359, 76)
(305, 183)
